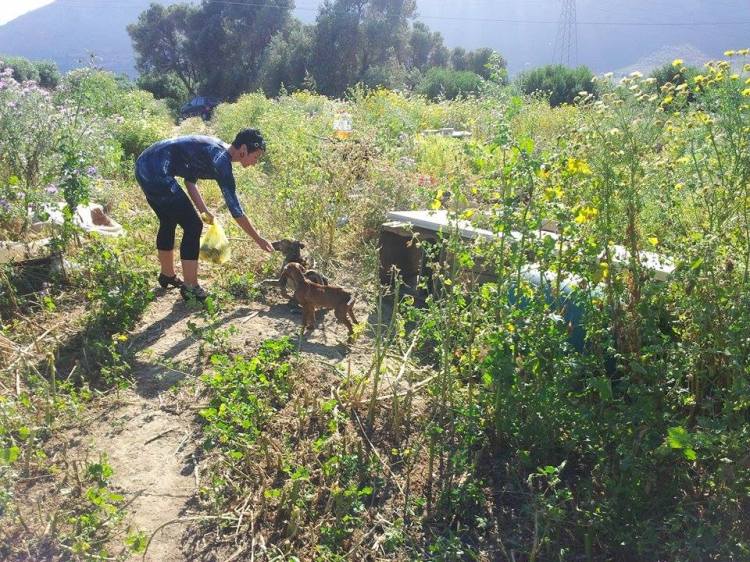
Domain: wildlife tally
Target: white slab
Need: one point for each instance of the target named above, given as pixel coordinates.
(660, 266)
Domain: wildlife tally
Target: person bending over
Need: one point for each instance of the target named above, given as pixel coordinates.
(192, 158)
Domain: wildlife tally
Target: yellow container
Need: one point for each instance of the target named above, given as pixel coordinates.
(342, 126)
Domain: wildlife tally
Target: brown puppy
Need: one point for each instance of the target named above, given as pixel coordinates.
(313, 295)
(292, 250)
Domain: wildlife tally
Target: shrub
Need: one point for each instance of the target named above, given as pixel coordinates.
(449, 84)
(676, 74)
(560, 83)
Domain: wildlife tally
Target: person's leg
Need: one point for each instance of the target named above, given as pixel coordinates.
(165, 244)
(192, 226)
(166, 261)
(190, 272)
(165, 239)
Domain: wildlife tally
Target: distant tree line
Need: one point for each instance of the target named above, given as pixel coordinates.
(224, 49)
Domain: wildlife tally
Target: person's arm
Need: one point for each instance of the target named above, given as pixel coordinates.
(195, 196)
(229, 191)
(247, 226)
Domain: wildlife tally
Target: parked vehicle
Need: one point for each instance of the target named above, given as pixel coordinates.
(199, 106)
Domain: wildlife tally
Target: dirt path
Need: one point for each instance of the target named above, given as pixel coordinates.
(151, 432)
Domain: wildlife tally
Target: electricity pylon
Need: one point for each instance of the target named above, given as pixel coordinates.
(566, 42)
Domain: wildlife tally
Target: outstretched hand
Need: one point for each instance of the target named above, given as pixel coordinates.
(264, 244)
(207, 217)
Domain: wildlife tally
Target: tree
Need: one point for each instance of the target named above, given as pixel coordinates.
(459, 60)
(337, 45)
(560, 83)
(161, 39)
(215, 48)
(386, 31)
(166, 86)
(425, 47)
(235, 33)
(286, 60)
(440, 55)
(360, 40)
(479, 61)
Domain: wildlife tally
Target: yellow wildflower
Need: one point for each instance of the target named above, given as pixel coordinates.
(679, 186)
(585, 214)
(604, 269)
(729, 53)
(668, 100)
(746, 92)
(552, 193)
(743, 52)
(677, 62)
(575, 166)
(735, 76)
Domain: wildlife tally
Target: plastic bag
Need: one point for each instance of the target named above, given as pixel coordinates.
(214, 245)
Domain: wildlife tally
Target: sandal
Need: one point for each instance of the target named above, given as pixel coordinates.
(165, 281)
(190, 293)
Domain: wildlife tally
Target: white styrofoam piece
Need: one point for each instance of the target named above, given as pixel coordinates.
(660, 266)
(438, 221)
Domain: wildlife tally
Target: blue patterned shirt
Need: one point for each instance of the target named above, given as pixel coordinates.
(192, 157)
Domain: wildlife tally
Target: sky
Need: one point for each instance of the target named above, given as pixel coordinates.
(10, 9)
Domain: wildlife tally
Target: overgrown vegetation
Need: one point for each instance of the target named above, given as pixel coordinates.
(574, 406)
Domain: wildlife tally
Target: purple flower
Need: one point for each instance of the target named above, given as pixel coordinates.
(5, 205)
(12, 104)
(91, 171)
(51, 189)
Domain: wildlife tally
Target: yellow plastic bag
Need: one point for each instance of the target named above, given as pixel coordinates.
(215, 246)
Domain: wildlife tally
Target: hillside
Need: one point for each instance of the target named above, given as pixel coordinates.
(70, 31)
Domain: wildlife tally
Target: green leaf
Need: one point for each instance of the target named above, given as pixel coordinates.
(678, 438)
(526, 145)
(10, 455)
(136, 542)
(603, 387)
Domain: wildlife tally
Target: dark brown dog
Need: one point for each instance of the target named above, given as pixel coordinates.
(292, 250)
(314, 295)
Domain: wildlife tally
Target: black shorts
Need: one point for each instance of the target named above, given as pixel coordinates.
(173, 211)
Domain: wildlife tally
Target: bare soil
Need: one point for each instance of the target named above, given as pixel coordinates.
(151, 433)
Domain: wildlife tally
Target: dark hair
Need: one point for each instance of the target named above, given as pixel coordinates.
(251, 138)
